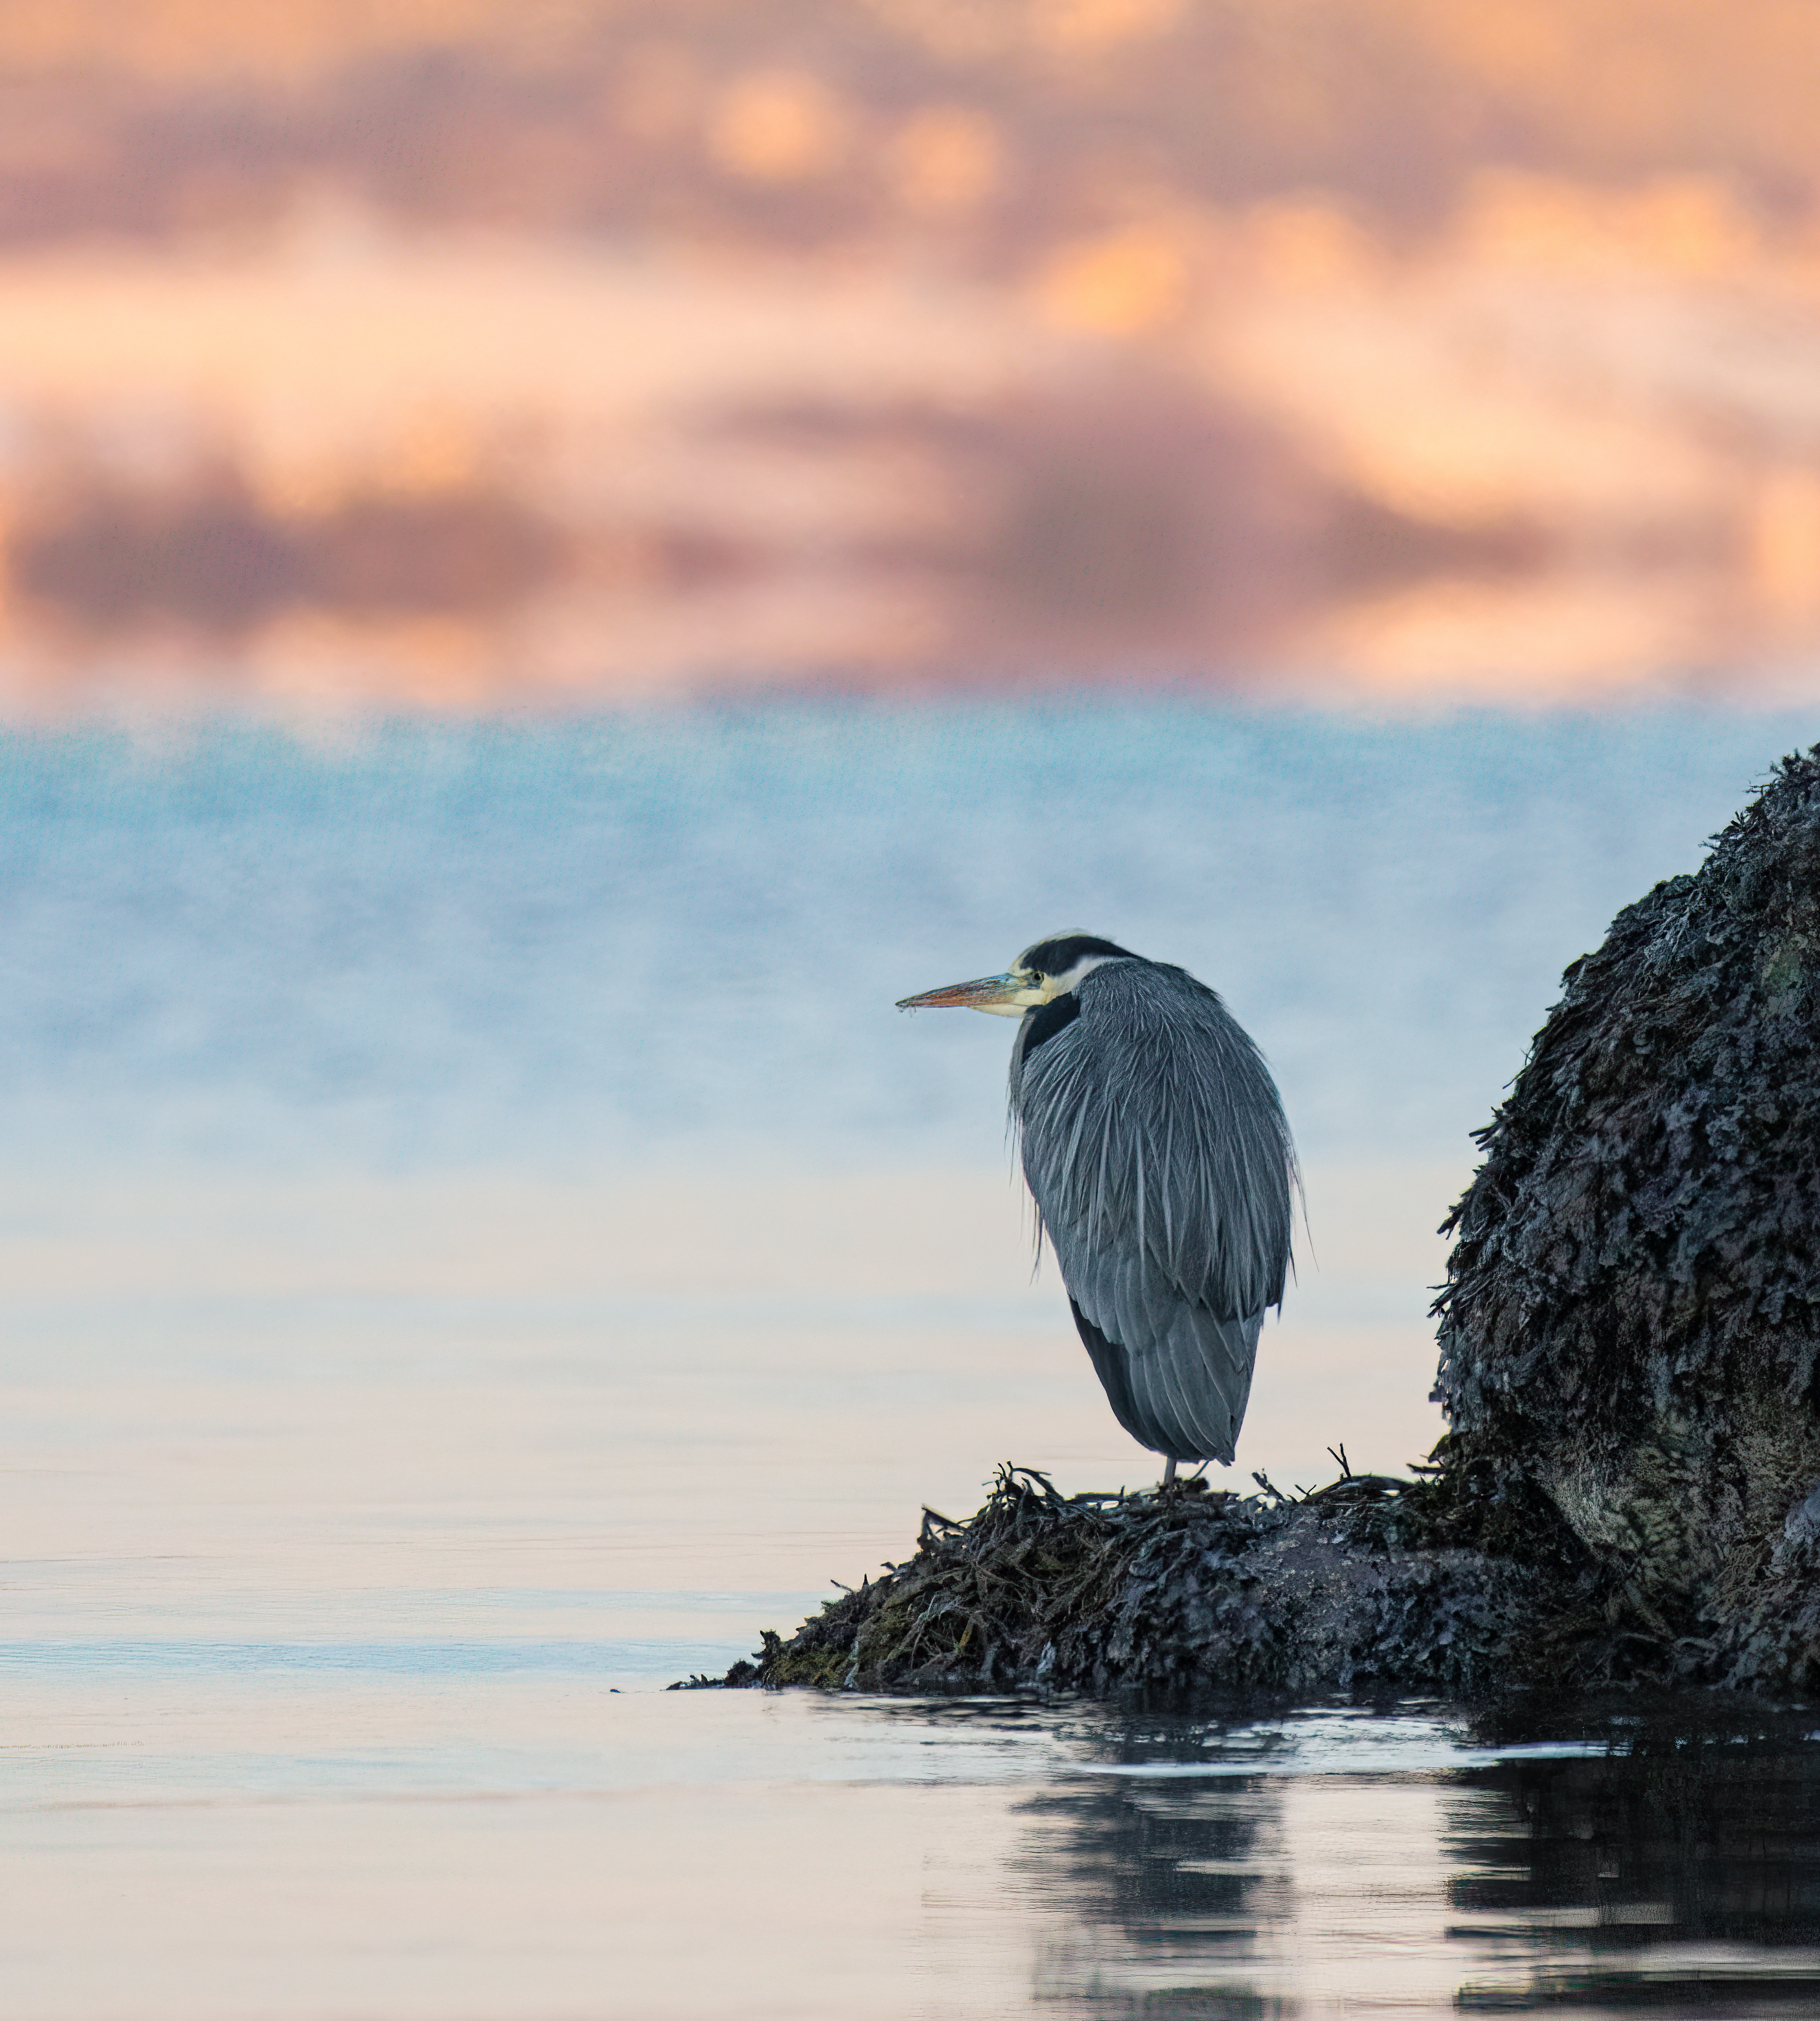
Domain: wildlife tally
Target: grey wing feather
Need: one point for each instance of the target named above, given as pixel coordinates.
(1157, 1152)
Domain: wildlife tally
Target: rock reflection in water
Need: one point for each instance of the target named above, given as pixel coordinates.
(1681, 1876)
(1243, 1871)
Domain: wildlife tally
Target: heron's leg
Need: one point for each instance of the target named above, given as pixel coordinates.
(1169, 1470)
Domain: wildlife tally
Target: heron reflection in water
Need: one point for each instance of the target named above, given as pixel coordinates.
(1155, 1148)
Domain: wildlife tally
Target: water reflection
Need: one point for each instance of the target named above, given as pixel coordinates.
(1668, 1862)
(1178, 1893)
(1681, 1876)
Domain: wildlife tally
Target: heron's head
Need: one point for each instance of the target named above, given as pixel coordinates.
(1038, 975)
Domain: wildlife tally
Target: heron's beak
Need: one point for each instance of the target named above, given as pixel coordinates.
(1003, 996)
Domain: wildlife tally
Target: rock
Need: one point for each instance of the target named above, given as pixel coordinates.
(1631, 1323)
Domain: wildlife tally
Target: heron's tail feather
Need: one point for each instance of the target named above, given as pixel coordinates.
(1185, 1395)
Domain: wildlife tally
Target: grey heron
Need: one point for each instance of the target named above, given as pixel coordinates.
(1156, 1150)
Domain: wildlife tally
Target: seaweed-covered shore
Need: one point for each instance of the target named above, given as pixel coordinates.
(1368, 1585)
(1629, 1488)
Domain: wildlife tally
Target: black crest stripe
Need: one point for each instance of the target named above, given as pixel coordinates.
(1057, 957)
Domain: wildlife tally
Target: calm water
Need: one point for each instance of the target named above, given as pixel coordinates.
(477, 1244)
(440, 1832)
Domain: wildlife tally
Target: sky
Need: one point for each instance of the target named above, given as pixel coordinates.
(457, 356)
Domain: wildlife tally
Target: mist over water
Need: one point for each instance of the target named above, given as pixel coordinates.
(587, 942)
